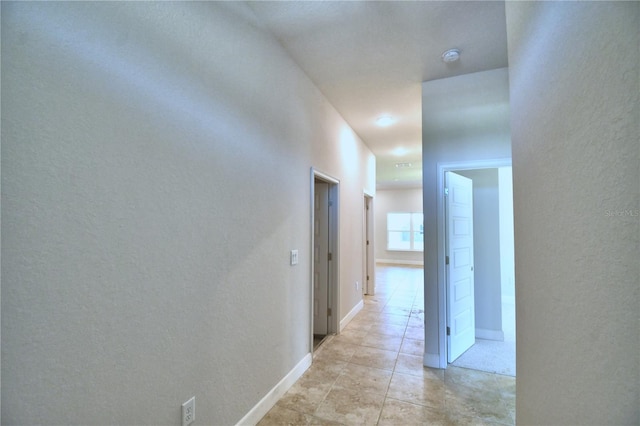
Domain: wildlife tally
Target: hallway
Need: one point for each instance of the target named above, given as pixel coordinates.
(372, 372)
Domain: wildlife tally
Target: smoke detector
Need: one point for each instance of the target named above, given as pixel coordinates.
(451, 55)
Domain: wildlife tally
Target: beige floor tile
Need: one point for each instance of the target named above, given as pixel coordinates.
(510, 405)
(373, 306)
(412, 347)
(305, 395)
(377, 299)
(360, 323)
(413, 365)
(507, 386)
(415, 321)
(335, 350)
(351, 407)
(417, 390)
(457, 419)
(470, 378)
(402, 413)
(365, 379)
(316, 421)
(352, 336)
(283, 416)
(380, 341)
(386, 329)
(481, 403)
(409, 364)
(366, 315)
(417, 310)
(395, 310)
(507, 389)
(416, 333)
(393, 319)
(401, 301)
(326, 370)
(280, 416)
(374, 357)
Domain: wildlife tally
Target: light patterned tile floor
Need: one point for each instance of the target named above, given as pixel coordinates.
(372, 373)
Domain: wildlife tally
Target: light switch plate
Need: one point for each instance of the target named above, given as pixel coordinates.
(294, 257)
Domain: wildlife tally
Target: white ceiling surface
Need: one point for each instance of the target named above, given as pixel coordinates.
(370, 58)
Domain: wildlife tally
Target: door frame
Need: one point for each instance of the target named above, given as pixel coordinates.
(441, 229)
(369, 264)
(334, 246)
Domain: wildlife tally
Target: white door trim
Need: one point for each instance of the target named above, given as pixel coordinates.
(334, 274)
(441, 303)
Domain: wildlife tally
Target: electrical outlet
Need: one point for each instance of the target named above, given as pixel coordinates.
(189, 411)
(294, 257)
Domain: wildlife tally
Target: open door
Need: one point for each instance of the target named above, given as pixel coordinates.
(321, 258)
(459, 265)
(369, 286)
(325, 258)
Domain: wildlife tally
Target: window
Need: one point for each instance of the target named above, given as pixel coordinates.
(405, 231)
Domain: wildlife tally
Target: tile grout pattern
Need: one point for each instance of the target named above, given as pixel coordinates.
(372, 372)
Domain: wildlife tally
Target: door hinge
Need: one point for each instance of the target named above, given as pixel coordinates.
(367, 242)
(328, 312)
(446, 260)
(448, 331)
(330, 203)
(329, 256)
(367, 277)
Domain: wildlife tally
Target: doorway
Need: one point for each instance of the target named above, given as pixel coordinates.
(493, 349)
(324, 265)
(369, 274)
(494, 283)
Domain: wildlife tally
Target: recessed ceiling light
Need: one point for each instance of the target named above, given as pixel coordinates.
(385, 120)
(450, 56)
(399, 151)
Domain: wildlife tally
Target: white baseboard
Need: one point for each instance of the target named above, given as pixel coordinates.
(400, 262)
(431, 360)
(270, 399)
(347, 319)
(482, 333)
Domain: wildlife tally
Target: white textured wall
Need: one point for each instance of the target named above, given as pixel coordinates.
(391, 201)
(155, 174)
(464, 118)
(575, 108)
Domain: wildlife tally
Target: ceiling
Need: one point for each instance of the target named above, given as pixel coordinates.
(370, 58)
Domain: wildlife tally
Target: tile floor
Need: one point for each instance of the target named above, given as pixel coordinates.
(372, 372)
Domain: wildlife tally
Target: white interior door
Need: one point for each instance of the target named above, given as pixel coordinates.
(459, 246)
(369, 272)
(321, 258)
